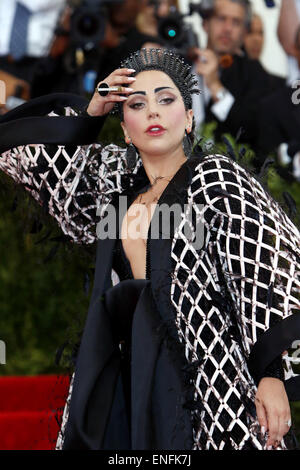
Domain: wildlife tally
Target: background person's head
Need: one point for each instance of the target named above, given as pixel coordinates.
(227, 25)
(163, 6)
(254, 39)
(147, 21)
(123, 15)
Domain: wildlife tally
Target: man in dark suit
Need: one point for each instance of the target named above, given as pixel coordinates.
(232, 84)
(279, 127)
(280, 112)
(279, 118)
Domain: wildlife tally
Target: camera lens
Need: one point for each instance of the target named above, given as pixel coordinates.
(88, 23)
(171, 30)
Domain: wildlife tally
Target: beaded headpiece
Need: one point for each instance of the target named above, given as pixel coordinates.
(168, 62)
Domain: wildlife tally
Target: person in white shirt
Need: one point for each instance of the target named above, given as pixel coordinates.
(43, 18)
(36, 23)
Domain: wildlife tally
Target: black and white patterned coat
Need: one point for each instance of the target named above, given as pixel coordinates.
(232, 305)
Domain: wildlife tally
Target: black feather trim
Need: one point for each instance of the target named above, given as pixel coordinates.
(229, 148)
(265, 166)
(240, 132)
(291, 204)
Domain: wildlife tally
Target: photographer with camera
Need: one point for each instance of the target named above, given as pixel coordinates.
(280, 112)
(148, 19)
(123, 23)
(90, 43)
(232, 84)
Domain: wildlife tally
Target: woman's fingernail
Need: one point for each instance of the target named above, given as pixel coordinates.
(123, 98)
(270, 448)
(131, 79)
(263, 430)
(130, 70)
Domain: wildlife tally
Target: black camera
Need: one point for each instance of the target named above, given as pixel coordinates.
(175, 33)
(88, 21)
(172, 29)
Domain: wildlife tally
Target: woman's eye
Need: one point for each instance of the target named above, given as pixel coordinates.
(141, 104)
(137, 105)
(166, 100)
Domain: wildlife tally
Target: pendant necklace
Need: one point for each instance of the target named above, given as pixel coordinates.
(155, 179)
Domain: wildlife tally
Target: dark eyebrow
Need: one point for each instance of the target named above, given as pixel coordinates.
(161, 88)
(155, 91)
(138, 93)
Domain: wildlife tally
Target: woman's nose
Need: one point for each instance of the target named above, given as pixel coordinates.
(152, 109)
(153, 114)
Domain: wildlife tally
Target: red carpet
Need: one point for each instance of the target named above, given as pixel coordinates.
(30, 409)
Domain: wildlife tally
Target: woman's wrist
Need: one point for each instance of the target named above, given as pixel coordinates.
(86, 112)
(89, 111)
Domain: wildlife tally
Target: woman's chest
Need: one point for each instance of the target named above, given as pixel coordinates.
(135, 230)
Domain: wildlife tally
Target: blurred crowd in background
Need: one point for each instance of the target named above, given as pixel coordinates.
(51, 46)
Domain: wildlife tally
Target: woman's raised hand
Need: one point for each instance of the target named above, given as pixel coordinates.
(101, 105)
(273, 410)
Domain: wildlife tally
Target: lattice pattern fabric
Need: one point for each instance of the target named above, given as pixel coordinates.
(65, 417)
(242, 282)
(72, 183)
(251, 257)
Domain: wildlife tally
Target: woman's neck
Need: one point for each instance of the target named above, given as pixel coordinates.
(158, 167)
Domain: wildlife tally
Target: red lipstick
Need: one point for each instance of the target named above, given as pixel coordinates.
(155, 130)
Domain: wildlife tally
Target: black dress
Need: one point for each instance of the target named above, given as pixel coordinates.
(126, 378)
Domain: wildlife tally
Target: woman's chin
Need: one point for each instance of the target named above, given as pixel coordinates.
(157, 148)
